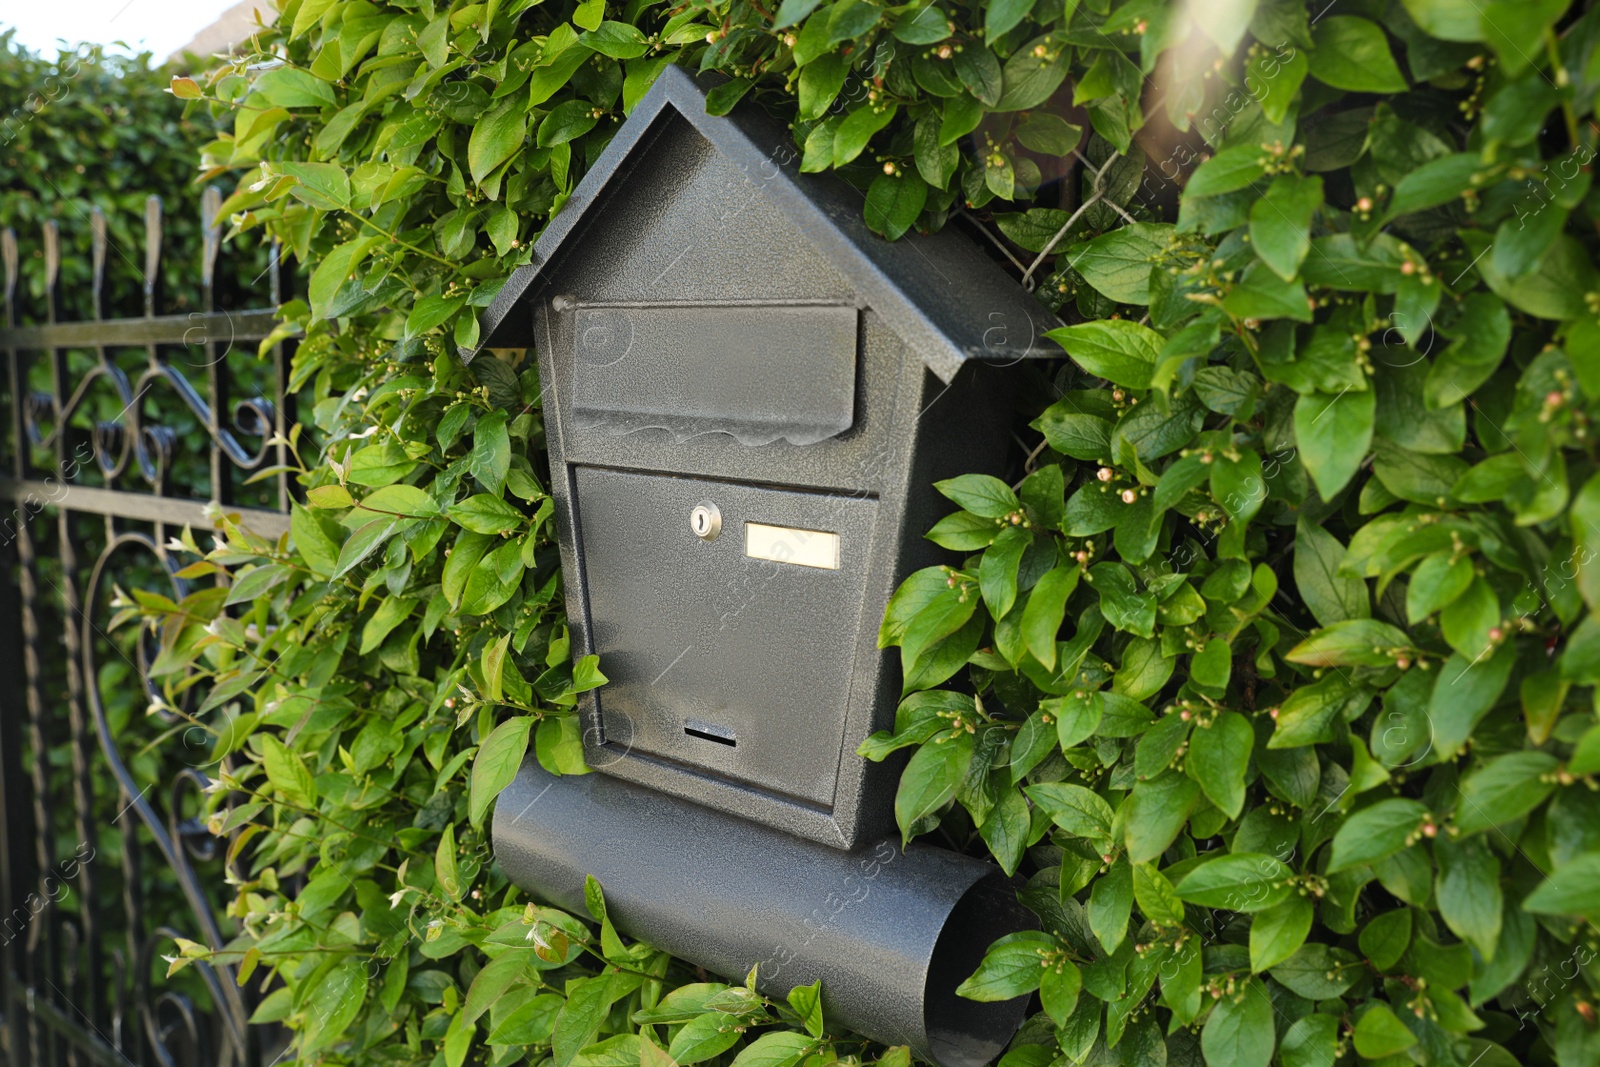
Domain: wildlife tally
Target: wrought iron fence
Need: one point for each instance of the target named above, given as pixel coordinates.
(120, 432)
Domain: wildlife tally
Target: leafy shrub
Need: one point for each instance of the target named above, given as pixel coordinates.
(86, 130)
(1272, 674)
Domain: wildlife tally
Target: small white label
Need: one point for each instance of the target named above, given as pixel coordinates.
(784, 544)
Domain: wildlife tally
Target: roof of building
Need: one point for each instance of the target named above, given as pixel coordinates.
(938, 292)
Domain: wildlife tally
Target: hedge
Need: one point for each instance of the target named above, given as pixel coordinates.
(87, 129)
(1272, 674)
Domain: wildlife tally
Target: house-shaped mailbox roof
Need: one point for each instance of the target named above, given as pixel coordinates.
(947, 300)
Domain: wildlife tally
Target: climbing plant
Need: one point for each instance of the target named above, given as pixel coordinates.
(1271, 671)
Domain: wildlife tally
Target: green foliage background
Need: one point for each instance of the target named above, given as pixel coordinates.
(83, 129)
(1275, 673)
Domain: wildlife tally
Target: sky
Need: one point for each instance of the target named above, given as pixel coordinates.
(159, 26)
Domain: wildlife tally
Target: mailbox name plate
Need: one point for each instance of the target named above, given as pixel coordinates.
(785, 544)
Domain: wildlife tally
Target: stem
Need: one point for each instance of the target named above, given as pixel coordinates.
(403, 244)
(1562, 79)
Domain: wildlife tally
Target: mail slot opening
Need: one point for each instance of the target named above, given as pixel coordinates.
(706, 732)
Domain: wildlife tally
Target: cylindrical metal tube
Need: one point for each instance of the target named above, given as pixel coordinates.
(890, 933)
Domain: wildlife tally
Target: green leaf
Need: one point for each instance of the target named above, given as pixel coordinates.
(1007, 828)
(1330, 596)
(1010, 968)
(1436, 182)
(1436, 583)
(566, 122)
(333, 1003)
(1468, 892)
(930, 780)
(1239, 1032)
(333, 272)
(1334, 434)
(619, 40)
(1059, 986)
(1118, 263)
(1482, 331)
(1075, 809)
(1379, 1033)
(1003, 15)
(1385, 939)
(894, 202)
(586, 674)
(445, 868)
(293, 87)
(1318, 972)
(963, 531)
(1156, 811)
(1046, 608)
(486, 514)
(1463, 694)
(288, 773)
(1122, 352)
(1280, 222)
(1076, 719)
(1155, 896)
(1240, 881)
(1277, 933)
(1048, 134)
(1554, 290)
(705, 1036)
(496, 764)
(1219, 755)
(431, 311)
(1448, 20)
(257, 582)
(1230, 169)
(1572, 889)
(1111, 904)
(491, 452)
(981, 494)
(496, 136)
(325, 186)
(1238, 485)
(579, 1021)
(491, 983)
(1307, 715)
(1313, 1041)
(997, 574)
(1352, 643)
(1352, 53)
(1377, 832)
(1034, 72)
(779, 1049)
(857, 130)
(1504, 789)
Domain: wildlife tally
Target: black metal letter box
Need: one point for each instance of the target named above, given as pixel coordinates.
(747, 398)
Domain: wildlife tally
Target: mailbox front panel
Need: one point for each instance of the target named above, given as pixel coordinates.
(733, 653)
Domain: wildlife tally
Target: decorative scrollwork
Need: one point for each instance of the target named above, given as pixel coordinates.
(174, 837)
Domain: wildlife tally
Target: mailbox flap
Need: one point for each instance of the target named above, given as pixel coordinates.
(759, 373)
(727, 618)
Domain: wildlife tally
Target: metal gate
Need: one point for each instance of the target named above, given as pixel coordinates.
(119, 432)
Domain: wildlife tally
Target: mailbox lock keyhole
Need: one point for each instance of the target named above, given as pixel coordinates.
(705, 520)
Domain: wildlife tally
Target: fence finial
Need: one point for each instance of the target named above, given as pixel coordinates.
(152, 251)
(8, 253)
(211, 228)
(97, 248)
(52, 266)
